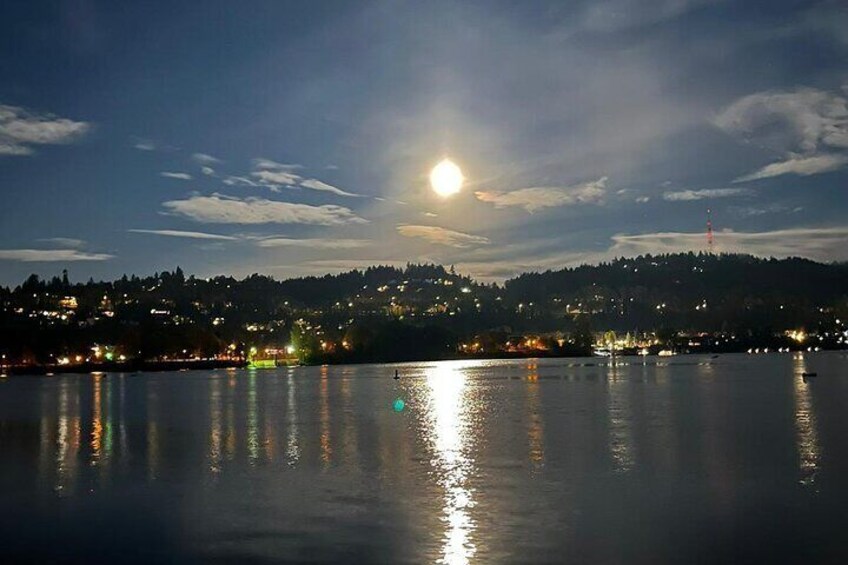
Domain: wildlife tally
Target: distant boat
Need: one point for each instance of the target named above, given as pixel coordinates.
(805, 374)
(397, 376)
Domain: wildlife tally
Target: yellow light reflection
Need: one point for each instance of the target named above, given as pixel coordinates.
(252, 420)
(292, 445)
(96, 423)
(535, 430)
(805, 424)
(620, 421)
(67, 438)
(448, 430)
(326, 447)
(215, 426)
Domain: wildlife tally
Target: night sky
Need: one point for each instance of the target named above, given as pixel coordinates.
(294, 138)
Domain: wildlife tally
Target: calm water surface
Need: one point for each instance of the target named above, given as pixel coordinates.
(687, 460)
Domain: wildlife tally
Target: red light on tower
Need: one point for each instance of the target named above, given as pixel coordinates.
(709, 232)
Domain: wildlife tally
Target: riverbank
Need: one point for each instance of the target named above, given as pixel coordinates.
(124, 367)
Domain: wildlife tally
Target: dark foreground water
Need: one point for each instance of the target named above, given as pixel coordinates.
(685, 460)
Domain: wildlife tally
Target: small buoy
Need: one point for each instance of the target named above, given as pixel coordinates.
(398, 404)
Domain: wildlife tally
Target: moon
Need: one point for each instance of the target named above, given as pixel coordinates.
(446, 178)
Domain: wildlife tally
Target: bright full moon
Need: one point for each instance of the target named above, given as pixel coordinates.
(446, 178)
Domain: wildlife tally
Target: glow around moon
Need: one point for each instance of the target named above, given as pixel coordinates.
(446, 178)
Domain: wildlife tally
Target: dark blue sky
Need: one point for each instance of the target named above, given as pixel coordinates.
(293, 138)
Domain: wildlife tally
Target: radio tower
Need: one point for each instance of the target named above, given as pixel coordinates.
(709, 232)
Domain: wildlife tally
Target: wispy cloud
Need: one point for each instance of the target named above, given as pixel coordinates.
(20, 129)
(186, 234)
(442, 236)
(223, 209)
(316, 243)
(800, 120)
(205, 159)
(825, 244)
(537, 198)
(69, 242)
(51, 255)
(801, 166)
(277, 178)
(773, 208)
(268, 164)
(144, 144)
(208, 171)
(283, 175)
(809, 125)
(171, 175)
(616, 15)
(236, 180)
(687, 195)
(316, 184)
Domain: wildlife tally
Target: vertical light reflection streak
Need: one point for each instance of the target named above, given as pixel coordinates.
(152, 431)
(805, 424)
(44, 439)
(292, 446)
(108, 430)
(96, 423)
(447, 415)
(67, 438)
(326, 447)
(215, 431)
(349, 439)
(230, 445)
(252, 420)
(269, 436)
(122, 426)
(535, 430)
(620, 421)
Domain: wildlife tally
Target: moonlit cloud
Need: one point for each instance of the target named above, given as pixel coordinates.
(274, 175)
(268, 164)
(144, 145)
(208, 171)
(688, 195)
(274, 178)
(317, 243)
(316, 184)
(70, 242)
(826, 244)
(179, 176)
(538, 198)
(186, 234)
(801, 166)
(205, 159)
(800, 120)
(823, 244)
(223, 209)
(21, 128)
(807, 124)
(51, 255)
(442, 236)
(617, 15)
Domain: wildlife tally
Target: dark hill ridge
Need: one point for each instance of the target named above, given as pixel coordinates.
(169, 313)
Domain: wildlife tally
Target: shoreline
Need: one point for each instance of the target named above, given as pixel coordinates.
(121, 367)
(206, 365)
